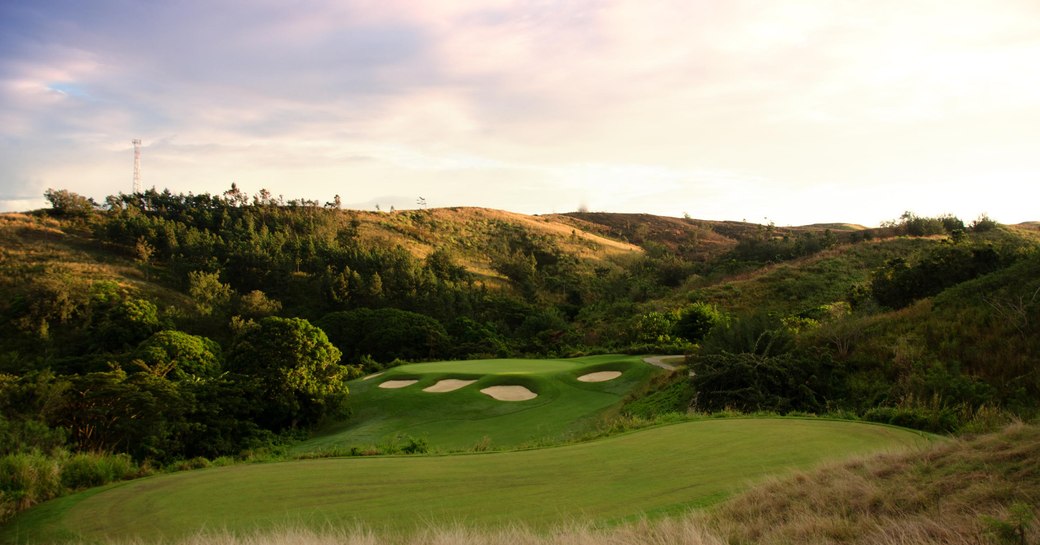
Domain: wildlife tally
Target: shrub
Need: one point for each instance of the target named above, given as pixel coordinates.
(759, 334)
(87, 470)
(66, 203)
(756, 382)
(696, 320)
(936, 420)
(28, 478)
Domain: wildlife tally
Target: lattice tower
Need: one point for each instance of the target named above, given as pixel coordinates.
(137, 165)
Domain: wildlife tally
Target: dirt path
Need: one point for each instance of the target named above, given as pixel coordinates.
(658, 361)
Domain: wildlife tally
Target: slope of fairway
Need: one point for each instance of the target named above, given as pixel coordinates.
(381, 408)
(656, 471)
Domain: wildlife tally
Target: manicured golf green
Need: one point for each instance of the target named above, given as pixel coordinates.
(459, 419)
(655, 471)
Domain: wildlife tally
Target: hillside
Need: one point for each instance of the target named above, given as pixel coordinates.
(164, 328)
(472, 234)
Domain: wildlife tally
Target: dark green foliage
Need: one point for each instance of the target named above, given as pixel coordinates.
(983, 224)
(256, 304)
(25, 435)
(759, 334)
(936, 420)
(768, 246)
(27, 403)
(89, 470)
(441, 263)
(651, 328)
(696, 320)
(49, 300)
(917, 226)
(670, 393)
(759, 382)
(25, 480)
(543, 332)
(112, 411)
(385, 334)
(123, 322)
(292, 370)
(209, 294)
(899, 282)
(69, 204)
(471, 339)
(29, 478)
(179, 356)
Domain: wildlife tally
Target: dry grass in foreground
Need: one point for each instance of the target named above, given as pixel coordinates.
(952, 493)
(684, 531)
(941, 495)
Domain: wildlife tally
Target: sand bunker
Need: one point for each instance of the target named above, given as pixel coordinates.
(448, 385)
(601, 376)
(509, 393)
(371, 376)
(397, 383)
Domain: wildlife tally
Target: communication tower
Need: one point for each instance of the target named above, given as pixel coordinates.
(137, 165)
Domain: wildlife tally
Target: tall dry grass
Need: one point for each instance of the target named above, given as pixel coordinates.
(941, 495)
(680, 531)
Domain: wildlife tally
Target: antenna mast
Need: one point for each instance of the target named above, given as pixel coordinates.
(137, 164)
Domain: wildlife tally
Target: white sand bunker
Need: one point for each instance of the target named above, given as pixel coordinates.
(448, 385)
(601, 376)
(397, 383)
(509, 393)
(371, 376)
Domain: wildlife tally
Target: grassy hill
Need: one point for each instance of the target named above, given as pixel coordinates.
(170, 327)
(651, 472)
(34, 248)
(465, 418)
(473, 234)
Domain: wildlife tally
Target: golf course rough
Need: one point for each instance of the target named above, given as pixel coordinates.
(651, 472)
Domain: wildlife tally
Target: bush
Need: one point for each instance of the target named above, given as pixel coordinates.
(696, 320)
(27, 479)
(759, 334)
(385, 334)
(936, 420)
(87, 470)
(751, 382)
(69, 204)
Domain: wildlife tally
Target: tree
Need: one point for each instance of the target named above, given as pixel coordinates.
(122, 322)
(760, 334)
(207, 291)
(179, 356)
(385, 334)
(292, 370)
(760, 382)
(695, 321)
(67, 203)
(256, 304)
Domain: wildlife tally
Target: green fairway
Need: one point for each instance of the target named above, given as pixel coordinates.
(459, 419)
(655, 471)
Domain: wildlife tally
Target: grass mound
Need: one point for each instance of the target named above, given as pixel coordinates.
(462, 418)
(653, 472)
(956, 493)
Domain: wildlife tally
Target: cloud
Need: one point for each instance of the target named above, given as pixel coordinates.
(731, 106)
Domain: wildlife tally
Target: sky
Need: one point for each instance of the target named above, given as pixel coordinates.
(785, 111)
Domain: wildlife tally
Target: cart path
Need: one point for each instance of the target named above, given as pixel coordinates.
(658, 361)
